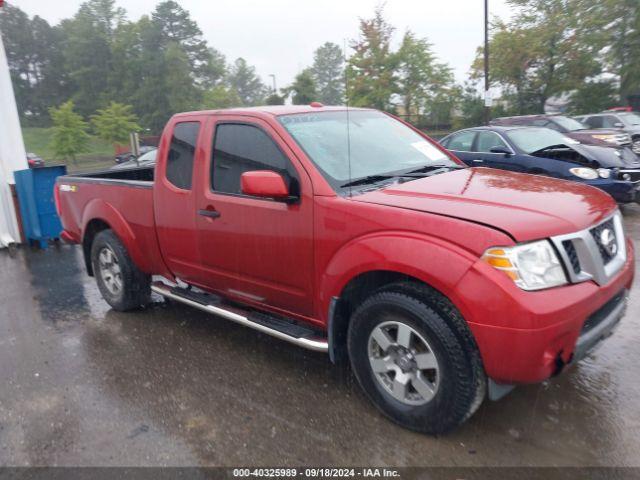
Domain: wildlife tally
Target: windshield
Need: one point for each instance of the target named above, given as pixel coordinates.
(150, 156)
(630, 118)
(531, 140)
(569, 124)
(376, 144)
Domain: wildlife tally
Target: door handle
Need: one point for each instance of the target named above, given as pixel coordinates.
(478, 160)
(209, 213)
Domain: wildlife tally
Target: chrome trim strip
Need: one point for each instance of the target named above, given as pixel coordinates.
(317, 345)
(591, 263)
(108, 181)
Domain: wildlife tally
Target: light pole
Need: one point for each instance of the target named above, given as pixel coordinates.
(487, 97)
(273, 77)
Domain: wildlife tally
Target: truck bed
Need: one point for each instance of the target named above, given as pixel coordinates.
(121, 199)
(144, 174)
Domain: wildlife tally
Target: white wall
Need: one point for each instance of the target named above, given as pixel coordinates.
(12, 154)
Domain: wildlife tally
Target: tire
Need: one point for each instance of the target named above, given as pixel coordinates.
(440, 341)
(121, 283)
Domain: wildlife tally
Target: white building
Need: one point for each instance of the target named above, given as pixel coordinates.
(12, 153)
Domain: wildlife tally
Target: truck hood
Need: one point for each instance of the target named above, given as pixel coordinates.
(527, 207)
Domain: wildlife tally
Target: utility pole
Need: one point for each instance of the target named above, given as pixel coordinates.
(487, 95)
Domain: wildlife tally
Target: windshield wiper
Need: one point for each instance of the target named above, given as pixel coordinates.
(367, 180)
(436, 167)
(421, 172)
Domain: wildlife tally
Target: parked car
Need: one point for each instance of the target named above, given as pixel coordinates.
(143, 161)
(570, 127)
(626, 108)
(34, 160)
(543, 151)
(627, 122)
(352, 233)
(128, 156)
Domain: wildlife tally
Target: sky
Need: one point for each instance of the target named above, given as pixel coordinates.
(279, 36)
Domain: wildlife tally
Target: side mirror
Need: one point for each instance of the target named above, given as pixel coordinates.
(264, 183)
(503, 150)
(618, 125)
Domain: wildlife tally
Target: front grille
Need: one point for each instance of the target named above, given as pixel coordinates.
(630, 175)
(596, 232)
(573, 255)
(602, 313)
(596, 253)
(623, 139)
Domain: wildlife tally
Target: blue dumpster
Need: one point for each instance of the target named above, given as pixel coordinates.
(40, 220)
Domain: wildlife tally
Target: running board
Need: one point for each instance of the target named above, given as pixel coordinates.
(276, 327)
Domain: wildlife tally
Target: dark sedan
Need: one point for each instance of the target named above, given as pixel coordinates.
(544, 151)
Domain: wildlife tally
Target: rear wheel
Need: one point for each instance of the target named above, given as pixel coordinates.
(415, 360)
(121, 283)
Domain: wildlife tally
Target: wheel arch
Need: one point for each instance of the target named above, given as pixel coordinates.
(99, 216)
(364, 266)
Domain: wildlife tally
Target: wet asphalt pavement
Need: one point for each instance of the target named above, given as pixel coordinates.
(81, 384)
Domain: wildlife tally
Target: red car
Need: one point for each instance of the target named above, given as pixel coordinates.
(352, 233)
(34, 160)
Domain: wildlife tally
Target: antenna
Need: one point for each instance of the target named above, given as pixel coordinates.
(346, 96)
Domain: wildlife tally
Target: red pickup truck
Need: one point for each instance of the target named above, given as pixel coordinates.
(352, 233)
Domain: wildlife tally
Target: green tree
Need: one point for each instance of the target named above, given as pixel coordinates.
(115, 123)
(34, 54)
(539, 54)
(612, 29)
(177, 27)
(593, 96)
(220, 96)
(181, 92)
(329, 74)
(245, 82)
(371, 70)
(470, 108)
(274, 99)
(69, 132)
(87, 52)
(303, 89)
(424, 83)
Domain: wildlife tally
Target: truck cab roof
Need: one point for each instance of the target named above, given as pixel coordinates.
(270, 110)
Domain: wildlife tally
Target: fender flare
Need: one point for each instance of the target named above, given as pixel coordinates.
(433, 261)
(98, 209)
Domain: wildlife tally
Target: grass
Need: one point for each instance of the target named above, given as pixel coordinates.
(99, 156)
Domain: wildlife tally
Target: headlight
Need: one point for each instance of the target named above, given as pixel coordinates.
(604, 172)
(606, 138)
(586, 173)
(532, 266)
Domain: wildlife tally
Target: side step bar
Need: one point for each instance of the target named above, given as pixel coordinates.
(276, 327)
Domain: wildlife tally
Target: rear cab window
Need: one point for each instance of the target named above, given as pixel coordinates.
(179, 170)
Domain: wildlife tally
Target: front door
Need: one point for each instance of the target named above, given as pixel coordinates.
(485, 142)
(255, 249)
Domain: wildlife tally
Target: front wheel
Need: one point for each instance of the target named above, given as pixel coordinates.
(415, 359)
(121, 283)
